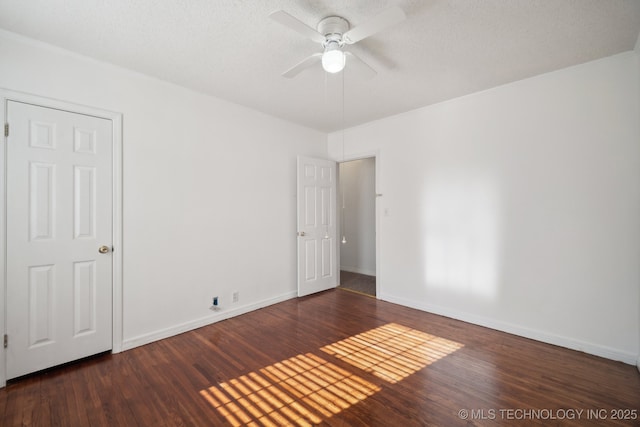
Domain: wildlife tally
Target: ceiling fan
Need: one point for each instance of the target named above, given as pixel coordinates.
(333, 33)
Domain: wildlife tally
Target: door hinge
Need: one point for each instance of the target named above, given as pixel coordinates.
(6, 341)
(6, 129)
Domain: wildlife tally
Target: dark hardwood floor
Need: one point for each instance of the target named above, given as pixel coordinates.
(335, 358)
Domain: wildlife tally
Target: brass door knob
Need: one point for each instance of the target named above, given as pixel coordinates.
(103, 249)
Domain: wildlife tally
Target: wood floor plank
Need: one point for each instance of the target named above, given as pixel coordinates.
(275, 366)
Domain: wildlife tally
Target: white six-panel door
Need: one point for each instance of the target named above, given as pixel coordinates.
(59, 237)
(317, 231)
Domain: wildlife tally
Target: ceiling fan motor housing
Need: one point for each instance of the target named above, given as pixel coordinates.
(333, 27)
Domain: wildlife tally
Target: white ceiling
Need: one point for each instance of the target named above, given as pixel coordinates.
(232, 50)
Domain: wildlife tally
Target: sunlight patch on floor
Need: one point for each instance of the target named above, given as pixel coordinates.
(392, 352)
(300, 391)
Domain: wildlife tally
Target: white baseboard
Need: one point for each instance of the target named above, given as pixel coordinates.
(570, 343)
(214, 317)
(358, 270)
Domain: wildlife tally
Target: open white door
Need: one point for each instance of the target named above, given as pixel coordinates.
(59, 237)
(317, 231)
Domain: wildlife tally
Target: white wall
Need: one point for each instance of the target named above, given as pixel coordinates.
(518, 207)
(209, 189)
(357, 181)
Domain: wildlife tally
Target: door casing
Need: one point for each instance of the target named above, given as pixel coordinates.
(116, 120)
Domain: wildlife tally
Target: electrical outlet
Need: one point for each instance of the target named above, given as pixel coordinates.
(235, 297)
(215, 304)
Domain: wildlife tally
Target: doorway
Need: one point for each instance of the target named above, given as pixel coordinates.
(357, 210)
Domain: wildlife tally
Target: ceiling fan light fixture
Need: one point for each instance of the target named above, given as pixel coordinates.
(333, 59)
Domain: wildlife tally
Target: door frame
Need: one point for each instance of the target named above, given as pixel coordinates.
(376, 156)
(116, 120)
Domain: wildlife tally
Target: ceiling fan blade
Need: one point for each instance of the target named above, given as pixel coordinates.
(374, 25)
(295, 24)
(360, 67)
(302, 65)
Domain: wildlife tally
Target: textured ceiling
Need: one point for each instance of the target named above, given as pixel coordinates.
(232, 50)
